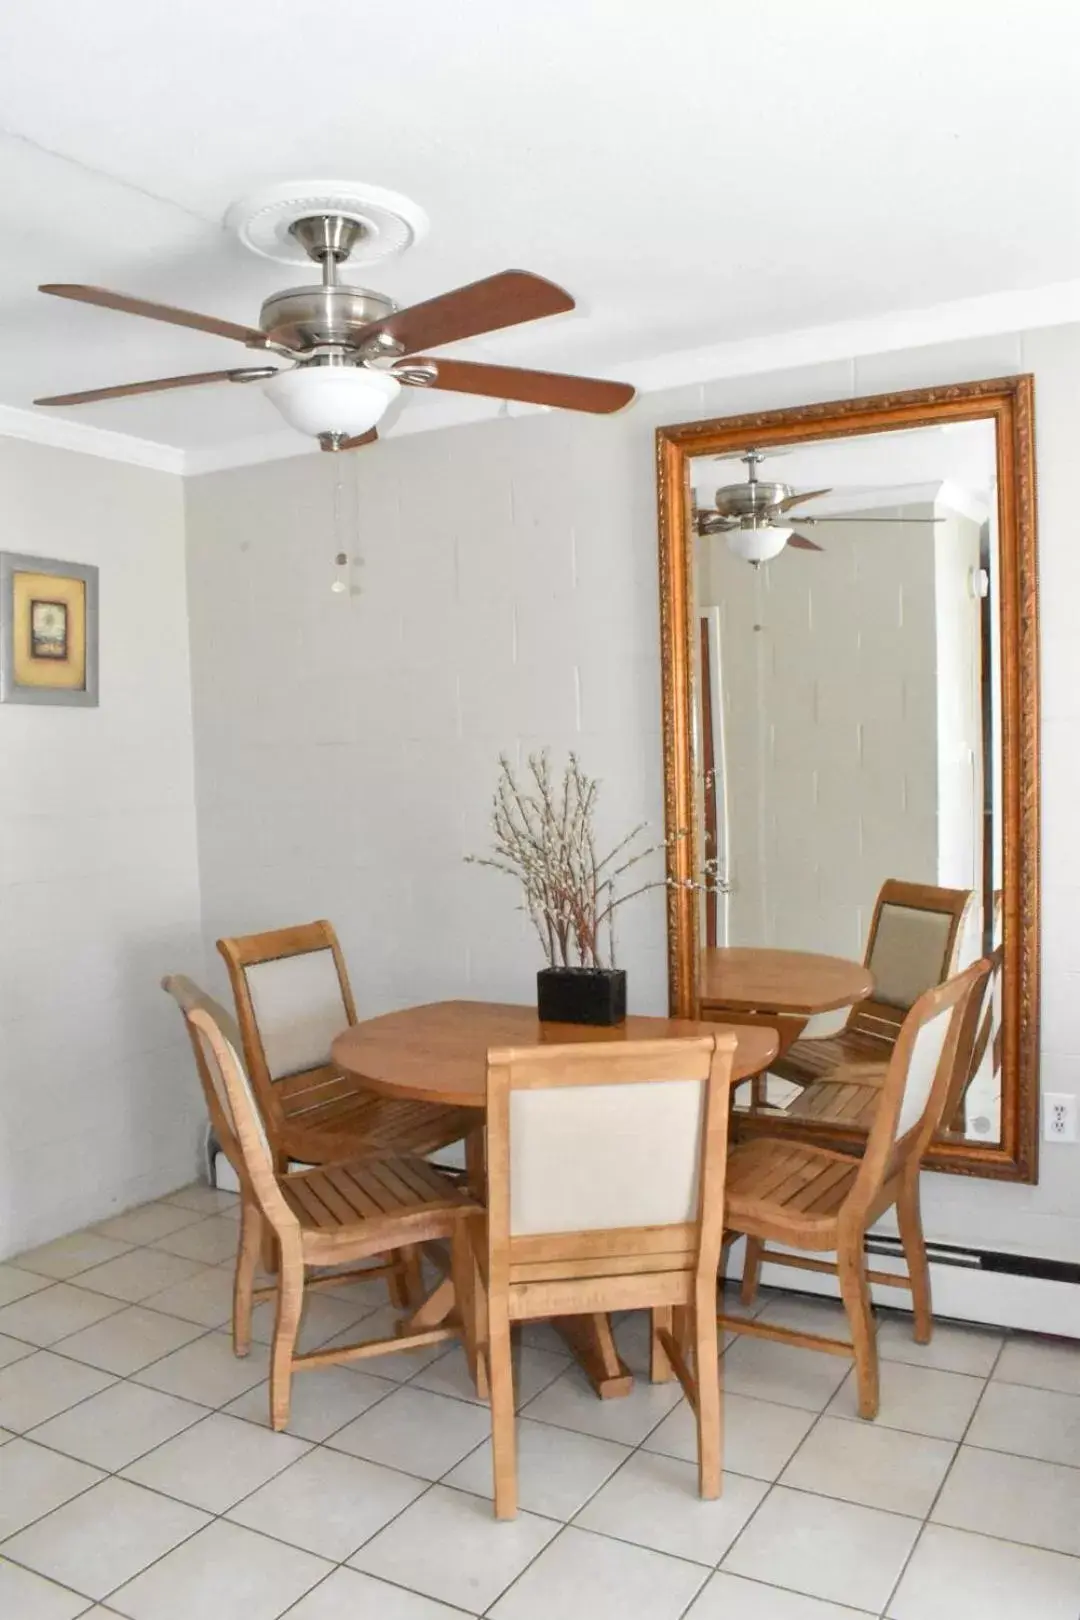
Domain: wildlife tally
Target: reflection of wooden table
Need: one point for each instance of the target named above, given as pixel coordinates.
(438, 1053)
(777, 990)
(793, 985)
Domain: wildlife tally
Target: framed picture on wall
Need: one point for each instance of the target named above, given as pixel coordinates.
(48, 631)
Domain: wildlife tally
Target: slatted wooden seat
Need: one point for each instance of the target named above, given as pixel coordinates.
(823, 1201)
(330, 1216)
(606, 1192)
(382, 1193)
(912, 945)
(846, 1096)
(292, 997)
(765, 1175)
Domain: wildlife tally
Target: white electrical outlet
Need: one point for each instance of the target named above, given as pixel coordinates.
(1059, 1117)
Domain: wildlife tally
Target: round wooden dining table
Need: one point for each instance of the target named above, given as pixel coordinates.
(438, 1053)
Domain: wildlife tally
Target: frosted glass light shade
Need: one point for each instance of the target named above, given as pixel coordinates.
(332, 399)
(758, 545)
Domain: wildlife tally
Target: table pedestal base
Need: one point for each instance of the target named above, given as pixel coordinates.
(589, 1337)
(593, 1345)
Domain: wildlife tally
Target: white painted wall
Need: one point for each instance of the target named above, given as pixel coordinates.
(98, 868)
(345, 749)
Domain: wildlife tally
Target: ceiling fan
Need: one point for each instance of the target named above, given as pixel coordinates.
(759, 519)
(349, 350)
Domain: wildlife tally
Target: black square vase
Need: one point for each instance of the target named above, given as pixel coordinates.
(581, 995)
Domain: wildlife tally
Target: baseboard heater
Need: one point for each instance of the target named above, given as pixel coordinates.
(968, 1285)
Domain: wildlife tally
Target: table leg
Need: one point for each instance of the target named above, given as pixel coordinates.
(591, 1340)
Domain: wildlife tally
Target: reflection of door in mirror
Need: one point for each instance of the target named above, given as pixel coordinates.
(847, 725)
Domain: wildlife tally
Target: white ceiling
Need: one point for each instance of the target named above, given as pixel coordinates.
(696, 173)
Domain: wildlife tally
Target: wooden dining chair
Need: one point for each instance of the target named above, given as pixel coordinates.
(292, 997)
(400, 1271)
(330, 1217)
(914, 936)
(605, 1176)
(822, 1201)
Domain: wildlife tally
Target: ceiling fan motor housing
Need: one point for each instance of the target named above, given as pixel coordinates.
(304, 318)
(751, 499)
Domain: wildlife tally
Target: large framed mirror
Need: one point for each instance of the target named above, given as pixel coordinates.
(849, 629)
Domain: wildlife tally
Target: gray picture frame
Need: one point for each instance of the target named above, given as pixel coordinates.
(11, 690)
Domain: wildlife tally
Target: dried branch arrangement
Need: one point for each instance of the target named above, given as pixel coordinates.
(545, 839)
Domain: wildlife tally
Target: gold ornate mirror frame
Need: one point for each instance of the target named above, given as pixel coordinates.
(1009, 402)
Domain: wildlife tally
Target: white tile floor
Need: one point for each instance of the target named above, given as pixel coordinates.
(139, 1477)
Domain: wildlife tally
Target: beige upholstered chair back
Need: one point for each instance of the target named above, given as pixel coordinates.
(927, 1052)
(910, 953)
(299, 1008)
(914, 940)
(597, 1137)
(292, 997)
(933, 1047)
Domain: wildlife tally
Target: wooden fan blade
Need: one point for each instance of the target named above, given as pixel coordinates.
(713, 523)
(352, 444)
(193, 380)
(101, 296)
(508, 299)
(799, 542)
(794, 500)
(531, 387)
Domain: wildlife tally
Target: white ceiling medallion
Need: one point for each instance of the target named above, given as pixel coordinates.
(391, 222)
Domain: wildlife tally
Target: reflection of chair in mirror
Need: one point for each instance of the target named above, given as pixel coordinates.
(915, 935)
(817, 1199)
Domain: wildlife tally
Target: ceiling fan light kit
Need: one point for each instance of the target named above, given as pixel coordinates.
(758, 545)
(352, 349)
(332, 400)
(757, 518)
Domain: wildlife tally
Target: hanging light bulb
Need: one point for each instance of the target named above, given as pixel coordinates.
(341, 580)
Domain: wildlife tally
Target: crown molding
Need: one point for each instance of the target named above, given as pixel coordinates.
(281, 445)
(63, 434)
(1056, 304)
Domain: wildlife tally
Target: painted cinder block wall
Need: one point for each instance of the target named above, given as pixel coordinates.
(99, 891)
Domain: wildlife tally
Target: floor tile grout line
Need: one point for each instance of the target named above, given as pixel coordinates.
(128, 1377)
(430, 1485)
(944, 1481)
(212, 1519)
(776, 1484)
(633, 1451)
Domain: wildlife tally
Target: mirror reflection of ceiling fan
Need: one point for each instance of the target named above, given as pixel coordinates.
(759, 517)
(348, 350)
